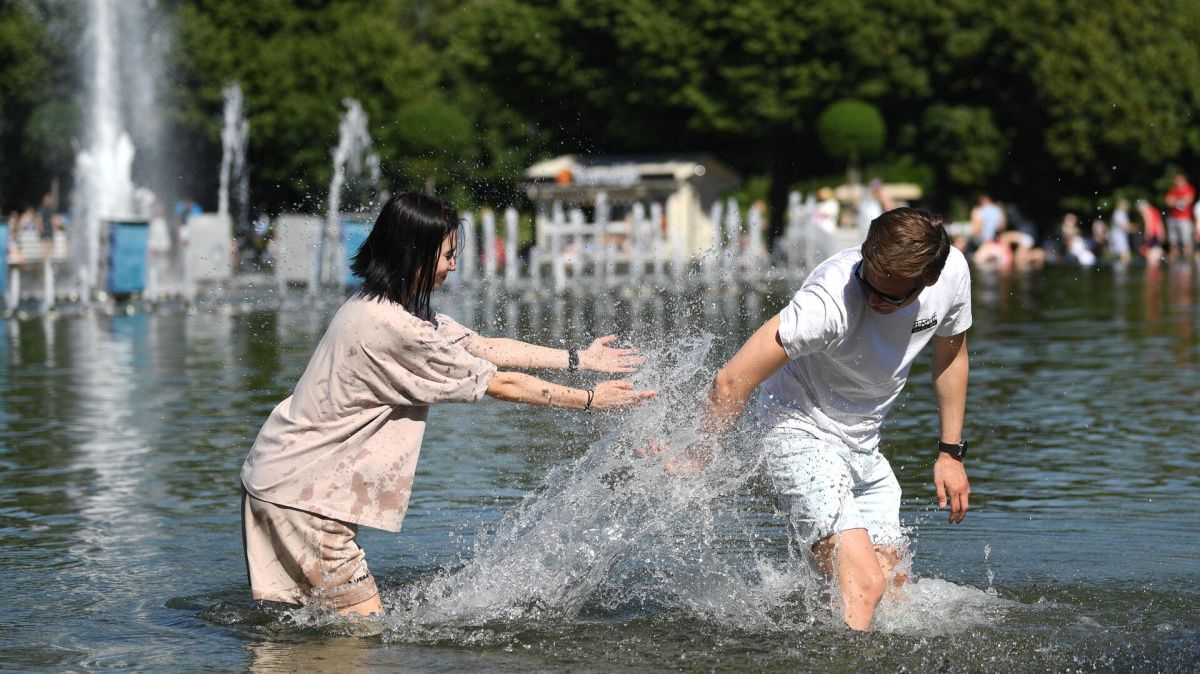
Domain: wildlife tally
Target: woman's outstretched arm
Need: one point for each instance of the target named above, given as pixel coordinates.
(598, 357)
(523, 388)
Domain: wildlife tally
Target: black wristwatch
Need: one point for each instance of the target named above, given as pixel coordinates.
(957, 451)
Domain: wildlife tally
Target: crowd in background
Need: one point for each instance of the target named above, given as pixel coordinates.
(38, 233)
(999, 236)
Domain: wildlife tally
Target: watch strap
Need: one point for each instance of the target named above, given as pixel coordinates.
(958, 451)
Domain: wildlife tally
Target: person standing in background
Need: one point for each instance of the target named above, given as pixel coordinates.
(828, 209)
(1196, 220)
(1152, 234)
(1180, 229)
(46, 226)
(987, 221)
(1118, 236)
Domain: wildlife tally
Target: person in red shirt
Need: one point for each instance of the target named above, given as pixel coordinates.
(1180, 199)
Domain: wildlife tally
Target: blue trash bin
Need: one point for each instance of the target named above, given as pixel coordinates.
(354, 233)
(127, 257)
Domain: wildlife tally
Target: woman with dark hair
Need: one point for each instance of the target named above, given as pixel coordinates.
(341, 451)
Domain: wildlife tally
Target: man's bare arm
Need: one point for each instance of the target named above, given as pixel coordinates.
(759, 358)
(950, 373)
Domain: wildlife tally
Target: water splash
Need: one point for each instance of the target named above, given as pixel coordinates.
(120, 63)
(104, 169)
(235, 135)
(614, 533)
(562, 546)
(355, 166)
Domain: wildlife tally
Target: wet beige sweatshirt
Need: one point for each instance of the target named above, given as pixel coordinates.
(345, 444)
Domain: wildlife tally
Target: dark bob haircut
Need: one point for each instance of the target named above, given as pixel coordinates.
(399, 257)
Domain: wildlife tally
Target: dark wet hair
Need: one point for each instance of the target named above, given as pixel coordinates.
(398, 259)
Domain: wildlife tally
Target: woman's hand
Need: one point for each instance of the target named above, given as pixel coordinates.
(617, 394)
(600, 358)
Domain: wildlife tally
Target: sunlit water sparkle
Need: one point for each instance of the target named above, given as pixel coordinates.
(540, 541)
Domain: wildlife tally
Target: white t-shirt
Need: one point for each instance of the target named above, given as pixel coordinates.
(848, 362)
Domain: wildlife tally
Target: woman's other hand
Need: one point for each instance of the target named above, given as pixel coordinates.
(617, 394)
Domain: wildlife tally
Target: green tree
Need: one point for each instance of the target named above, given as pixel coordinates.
(1044, 101)
(851, 130)
(296, 63)
(1120, 88)
(964, 143)
(38, 120)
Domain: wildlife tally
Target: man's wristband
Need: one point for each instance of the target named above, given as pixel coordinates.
(572, 359)
(587, 407)
(958, 451)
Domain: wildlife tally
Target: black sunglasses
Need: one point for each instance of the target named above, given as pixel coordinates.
(886, 298)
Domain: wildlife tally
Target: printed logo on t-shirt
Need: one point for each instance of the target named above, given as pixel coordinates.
(924, 324)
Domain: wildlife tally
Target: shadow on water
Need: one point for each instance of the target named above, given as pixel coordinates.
(544, 542)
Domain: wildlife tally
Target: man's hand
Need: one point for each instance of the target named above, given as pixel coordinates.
(691, 460)
(950, 478)
(598, 357)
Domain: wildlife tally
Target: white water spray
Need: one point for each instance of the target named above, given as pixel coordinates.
(235, 135)
(615, 531)
(353, 159)
(104, 168)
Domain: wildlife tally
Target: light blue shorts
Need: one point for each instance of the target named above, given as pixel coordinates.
(825, 488)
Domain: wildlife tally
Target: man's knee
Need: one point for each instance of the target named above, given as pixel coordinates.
(852, 558)
(867, 584)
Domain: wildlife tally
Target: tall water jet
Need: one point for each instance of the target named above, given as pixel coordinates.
(733, 238)
(512, 267)
(755, 250)
(557, 253)
(712, 259)
(660, 242)
(640, 238)
(235, 134)
(577, 226)
(602, 212)
(468, 260)
(104, 169)
(353, 160)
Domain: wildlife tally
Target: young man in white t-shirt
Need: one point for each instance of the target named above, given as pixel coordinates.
(831, 363)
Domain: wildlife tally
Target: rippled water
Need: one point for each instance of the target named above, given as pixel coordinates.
(538, 541)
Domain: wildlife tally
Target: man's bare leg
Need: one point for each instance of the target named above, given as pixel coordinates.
(372, 606)
(889, 559)
(850, 558)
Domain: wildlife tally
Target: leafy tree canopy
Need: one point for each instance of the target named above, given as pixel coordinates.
(1040, 101)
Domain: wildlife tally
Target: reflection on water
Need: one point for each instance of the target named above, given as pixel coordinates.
(120, 440)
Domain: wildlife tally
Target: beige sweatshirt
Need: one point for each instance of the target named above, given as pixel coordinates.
(345, 444)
